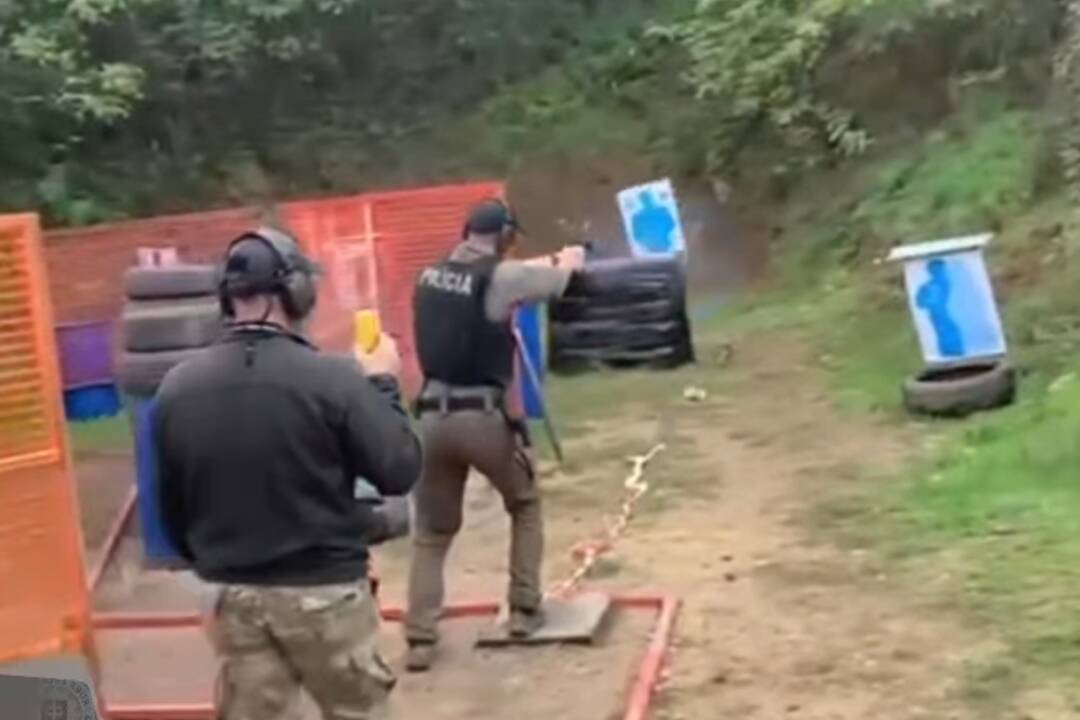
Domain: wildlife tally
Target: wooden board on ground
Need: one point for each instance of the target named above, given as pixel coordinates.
(573, 620)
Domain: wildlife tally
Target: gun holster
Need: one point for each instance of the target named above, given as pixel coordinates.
(520, 427)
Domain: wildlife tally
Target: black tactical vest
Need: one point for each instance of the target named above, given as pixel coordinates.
(455, 341)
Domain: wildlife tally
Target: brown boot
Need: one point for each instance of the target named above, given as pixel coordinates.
(525, 623)
(419, 657)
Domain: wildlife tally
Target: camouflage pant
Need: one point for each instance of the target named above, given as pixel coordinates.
(273, 641)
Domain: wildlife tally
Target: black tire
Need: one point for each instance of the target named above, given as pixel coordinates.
(171, 325)
(581, 310)
(174, 281)
(615, 334)
(581, 360)
(629, 295)
(629, 280)
(960, 391)
(140, 374)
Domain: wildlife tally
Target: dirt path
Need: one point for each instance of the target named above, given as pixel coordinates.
(776, 624)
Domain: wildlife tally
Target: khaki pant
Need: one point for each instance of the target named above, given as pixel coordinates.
(273, 641)
(453, 443)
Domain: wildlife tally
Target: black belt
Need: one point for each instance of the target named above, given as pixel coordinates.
(457, 404)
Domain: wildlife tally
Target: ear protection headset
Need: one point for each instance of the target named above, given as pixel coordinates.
(292, 280)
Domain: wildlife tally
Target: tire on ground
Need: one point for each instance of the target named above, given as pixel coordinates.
(961, 391)
(174, 281)
(140, 374)
(171, 325)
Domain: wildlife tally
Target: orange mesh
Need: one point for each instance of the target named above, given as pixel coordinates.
(43, 599)
(372, 247)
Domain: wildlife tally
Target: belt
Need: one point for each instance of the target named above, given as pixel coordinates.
(451, 403)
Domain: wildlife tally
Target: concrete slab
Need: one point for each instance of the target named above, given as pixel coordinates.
(577, 620)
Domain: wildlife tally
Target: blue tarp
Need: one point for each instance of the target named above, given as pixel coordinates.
(530, 325)
(91, 402)
(156, 545)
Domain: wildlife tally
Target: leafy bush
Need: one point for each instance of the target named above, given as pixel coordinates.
(757, 63)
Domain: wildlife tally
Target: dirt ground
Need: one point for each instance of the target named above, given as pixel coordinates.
(104, 481)
(775, 623)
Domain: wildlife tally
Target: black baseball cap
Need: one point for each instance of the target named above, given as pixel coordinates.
(490, 217)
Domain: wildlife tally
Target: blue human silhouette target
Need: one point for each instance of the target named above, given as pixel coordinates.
(954, 309)
(650, 215)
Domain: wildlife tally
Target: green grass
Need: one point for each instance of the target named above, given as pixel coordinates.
(958, 183)
(111, 435)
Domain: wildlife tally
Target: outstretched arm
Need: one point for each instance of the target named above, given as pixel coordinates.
(523, 281)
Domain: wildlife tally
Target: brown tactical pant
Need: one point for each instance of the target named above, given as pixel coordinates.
(273, 641)
(454, 443)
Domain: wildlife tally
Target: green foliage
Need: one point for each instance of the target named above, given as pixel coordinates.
(966, 183)
(120, 107)
(180, 99)
(755, 59)
(758, 64)
(53, 38)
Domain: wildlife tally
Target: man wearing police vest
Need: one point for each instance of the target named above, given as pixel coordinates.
(466, 346)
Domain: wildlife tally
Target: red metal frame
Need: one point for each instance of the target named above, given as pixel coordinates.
(639, 698)
(112, 540)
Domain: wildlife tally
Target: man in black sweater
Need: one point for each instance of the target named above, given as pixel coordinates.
(261, 442)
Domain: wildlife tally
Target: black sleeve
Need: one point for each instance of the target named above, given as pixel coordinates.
(170, 486)
(382, 447)
(376, 527)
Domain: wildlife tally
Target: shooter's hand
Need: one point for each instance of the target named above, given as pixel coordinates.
(383, 360)
(571, 257)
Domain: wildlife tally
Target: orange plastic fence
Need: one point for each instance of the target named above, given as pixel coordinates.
(86, 265)
(44, 608)
(371, 247)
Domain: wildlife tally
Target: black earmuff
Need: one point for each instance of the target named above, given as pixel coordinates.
(293, 280)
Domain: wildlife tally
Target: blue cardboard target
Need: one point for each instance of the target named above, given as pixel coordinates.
(953, 305)
(650, 215)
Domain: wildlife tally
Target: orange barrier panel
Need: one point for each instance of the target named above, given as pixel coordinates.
(44, 607)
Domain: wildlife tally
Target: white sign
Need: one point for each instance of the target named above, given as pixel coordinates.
(650, 215)
(952, 303)
(157, 257)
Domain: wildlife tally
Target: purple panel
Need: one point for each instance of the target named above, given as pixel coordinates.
(85, 353)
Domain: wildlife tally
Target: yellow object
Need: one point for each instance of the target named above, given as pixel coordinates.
(368, 330)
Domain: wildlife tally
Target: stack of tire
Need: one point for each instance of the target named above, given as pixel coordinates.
(624, 312)
(170, 314)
